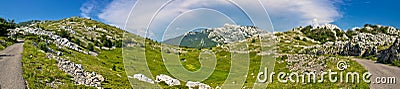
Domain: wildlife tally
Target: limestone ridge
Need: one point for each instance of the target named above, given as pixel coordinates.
(363, 42)
(79, 34)
(212, 37)
(368, 41)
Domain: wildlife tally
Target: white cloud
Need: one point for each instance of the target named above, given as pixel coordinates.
(93, 7)
(285, 14)
(86, 9)
(117, 12)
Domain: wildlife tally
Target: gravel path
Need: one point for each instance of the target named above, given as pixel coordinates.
(381, 70)
(11, 67)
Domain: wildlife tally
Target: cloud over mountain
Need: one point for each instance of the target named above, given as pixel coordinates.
(285, 14)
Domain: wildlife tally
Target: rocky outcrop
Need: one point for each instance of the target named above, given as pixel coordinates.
(80, 76)
(197, 85)
(350, 49)
(370, 52)
(391, 54)
(55, 39)
(362, 44)
(327, 26)
(143, 78)
(168, 80)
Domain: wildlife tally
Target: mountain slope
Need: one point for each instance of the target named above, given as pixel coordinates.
(73, 53)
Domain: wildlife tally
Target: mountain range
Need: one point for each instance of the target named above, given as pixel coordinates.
(213, 37)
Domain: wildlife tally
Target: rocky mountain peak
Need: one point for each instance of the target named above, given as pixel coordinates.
(230, 33)
(216, 36)
(328, 26)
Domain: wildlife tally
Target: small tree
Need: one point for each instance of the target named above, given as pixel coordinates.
(77, 41)
(5, 25)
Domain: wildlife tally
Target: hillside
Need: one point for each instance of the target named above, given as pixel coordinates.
(72, 53)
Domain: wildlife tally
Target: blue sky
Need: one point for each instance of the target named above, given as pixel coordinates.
(23, 10)
(360, 12)
(285, 14)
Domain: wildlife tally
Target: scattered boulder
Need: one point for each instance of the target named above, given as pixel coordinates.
(306, 63)
(168, 80)
(197, 85)
(143, 78)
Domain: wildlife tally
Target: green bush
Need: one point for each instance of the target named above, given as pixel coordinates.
(43, 46)
(90, 47)
(321, 34)
(118, 43)
(297, 38)
(107, 43)
(304, 39)
(64, 34)
(396, 63)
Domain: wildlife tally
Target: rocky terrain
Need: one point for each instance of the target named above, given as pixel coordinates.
(369, 41)
(307, 63)
(68, 42)
(364, 42)
(195, 85)
(86, 52)
(80, 76)
(54, 39)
